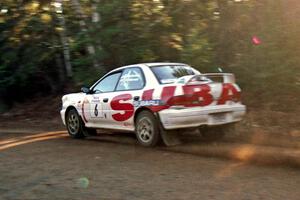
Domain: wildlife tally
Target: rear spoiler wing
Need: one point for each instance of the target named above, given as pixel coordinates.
(210, 77)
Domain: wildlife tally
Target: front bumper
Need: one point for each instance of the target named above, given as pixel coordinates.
(175, 118)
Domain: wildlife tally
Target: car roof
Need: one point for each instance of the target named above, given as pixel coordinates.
(148, 65)
(162, 63)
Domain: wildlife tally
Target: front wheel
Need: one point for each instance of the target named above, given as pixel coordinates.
(75, 125)
(147, 129)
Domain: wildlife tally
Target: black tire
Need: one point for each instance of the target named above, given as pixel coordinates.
(75, 125)
(91, 131)
(147, 129)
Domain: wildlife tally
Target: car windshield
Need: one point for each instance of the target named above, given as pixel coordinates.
(170, 73)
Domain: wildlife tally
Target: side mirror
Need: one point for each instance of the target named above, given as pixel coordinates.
(85, 90)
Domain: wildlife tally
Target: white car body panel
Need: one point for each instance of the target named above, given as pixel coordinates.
(110, 115)
(197, 116)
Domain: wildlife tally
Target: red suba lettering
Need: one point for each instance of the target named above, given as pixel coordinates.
(126, 107)
(198, 93)
(167, 93)
(147, 95)
(229, 93)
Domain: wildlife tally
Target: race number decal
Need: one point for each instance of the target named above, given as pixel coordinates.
(95, 108)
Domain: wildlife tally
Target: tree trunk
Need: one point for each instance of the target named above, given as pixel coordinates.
(61, 74)
(59, 63)
(95, 14)
(64, 40)
(90, 47)
(222, 35)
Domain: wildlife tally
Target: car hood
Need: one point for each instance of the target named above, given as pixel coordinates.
(73, 97)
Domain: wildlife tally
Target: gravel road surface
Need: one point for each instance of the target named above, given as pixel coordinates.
(50, 165)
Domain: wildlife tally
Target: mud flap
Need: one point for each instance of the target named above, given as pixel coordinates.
(89, 132)
(170, 138)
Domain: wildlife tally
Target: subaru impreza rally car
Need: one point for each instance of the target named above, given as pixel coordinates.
(152, 98)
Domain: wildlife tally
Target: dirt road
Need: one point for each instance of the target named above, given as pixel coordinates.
(51, 165)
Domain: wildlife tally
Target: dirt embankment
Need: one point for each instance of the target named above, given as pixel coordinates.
(39, 113)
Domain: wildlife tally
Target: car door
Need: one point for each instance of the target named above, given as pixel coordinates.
(120, 103)
(96, 103)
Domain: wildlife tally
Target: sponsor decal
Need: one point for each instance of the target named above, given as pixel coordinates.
(167, 93)
(229, 93)
(147, 103)
(148, 94)
(95, 99)
(199, 95)
(126, 108)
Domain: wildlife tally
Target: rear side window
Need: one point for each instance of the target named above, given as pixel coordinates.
(131, 79)
(169, 74)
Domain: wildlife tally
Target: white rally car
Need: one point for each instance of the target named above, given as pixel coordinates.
(152, 98)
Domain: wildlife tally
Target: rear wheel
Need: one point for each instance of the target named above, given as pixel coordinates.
(147, 129)
(75, 125)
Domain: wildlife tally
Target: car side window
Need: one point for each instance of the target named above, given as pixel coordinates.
(108, 84)
(131, 79)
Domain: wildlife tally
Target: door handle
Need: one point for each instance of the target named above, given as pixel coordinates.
(105, 100)
(136, 98)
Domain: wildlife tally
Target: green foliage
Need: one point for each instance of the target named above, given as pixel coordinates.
(269, 71)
